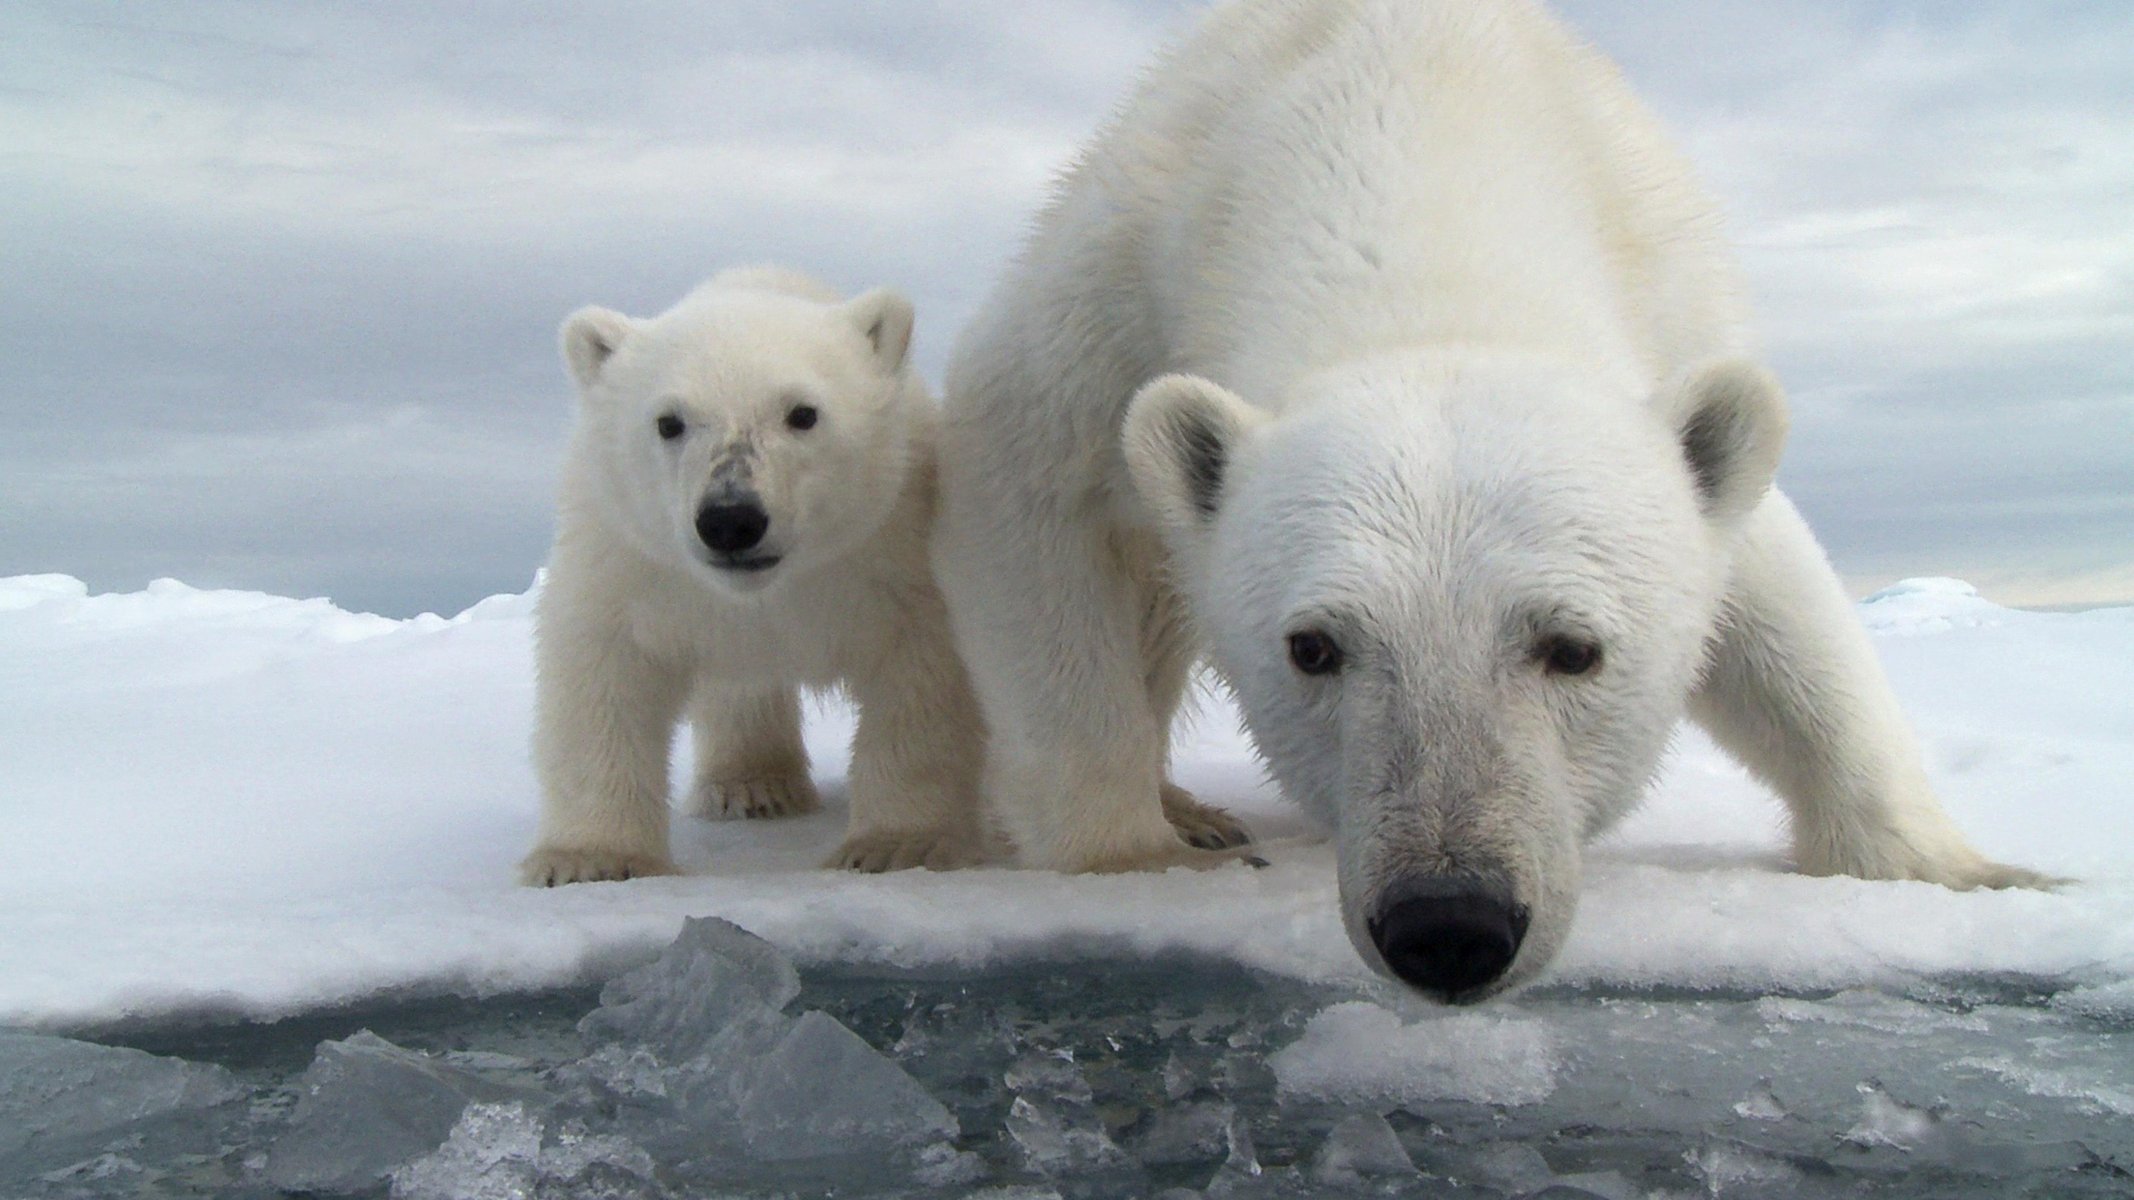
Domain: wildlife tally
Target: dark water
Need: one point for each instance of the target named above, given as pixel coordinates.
(1960, 1090)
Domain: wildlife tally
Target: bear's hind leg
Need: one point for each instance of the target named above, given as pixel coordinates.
(1795, 692)
(750, 761)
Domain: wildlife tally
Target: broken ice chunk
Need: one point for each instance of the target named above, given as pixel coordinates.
(713, 974)
(368, 1106)
(1053, 1119)
(1193, 1132)
(1732, 1169)
(1051, 1075)
(1362, 1145)
(1888, 1121)
(497, 1152)
(1510, 1166)
(492, 1153)
(61, 1100)
(822, 1091)
(1062, 1138)
(805, 1087)
(1762, 1104)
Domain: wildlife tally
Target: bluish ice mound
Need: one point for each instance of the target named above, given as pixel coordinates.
(62, 1101)
(365, 1107)
(712, 976)
(701, 1062)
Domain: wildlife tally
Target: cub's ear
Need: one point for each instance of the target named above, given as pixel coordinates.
(886, 318)
(1181, 437)
(591, 336)
(1730, 416)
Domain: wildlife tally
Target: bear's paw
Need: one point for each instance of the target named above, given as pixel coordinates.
(754, 799)
(1202, 826)
(554, 866)
(903, 849)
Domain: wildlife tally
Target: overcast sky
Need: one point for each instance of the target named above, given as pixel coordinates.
(282, 280)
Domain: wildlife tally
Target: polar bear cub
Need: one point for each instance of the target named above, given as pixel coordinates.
(744, 512)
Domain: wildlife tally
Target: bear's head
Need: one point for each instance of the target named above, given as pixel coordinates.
(760, 428)
(1461, 605)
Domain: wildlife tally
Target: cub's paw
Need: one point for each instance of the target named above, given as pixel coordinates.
(900, 850)
(1202, 826)
(754, 799)
(550, 866)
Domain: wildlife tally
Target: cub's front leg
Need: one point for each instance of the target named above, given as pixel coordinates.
(605, 714)
(750, 760)
(917, 756)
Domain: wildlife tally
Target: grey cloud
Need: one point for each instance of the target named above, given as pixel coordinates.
(287, 277)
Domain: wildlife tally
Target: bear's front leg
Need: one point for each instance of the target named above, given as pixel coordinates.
(750, 760)
(1050, 619)
(1796, 693)
(917, 756)
(605, 713)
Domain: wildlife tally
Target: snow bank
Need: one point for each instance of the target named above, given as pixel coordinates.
(239, 804)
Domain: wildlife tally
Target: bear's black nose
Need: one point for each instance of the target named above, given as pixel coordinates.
(1449, 937)
(732, 528)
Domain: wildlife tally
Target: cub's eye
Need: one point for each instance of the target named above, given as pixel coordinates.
(1569, 656)
(670, 426)
(802, 417)
(1314, 653)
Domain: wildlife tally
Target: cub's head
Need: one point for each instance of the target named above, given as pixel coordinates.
(760, 428)
(1461, 606)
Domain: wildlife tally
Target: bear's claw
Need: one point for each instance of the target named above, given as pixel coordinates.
(550, 866)
(1202, 826)
(754, 799)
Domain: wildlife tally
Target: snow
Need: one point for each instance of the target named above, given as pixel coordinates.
(239, 805)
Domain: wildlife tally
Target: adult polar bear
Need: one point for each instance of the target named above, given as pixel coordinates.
(1384, 351)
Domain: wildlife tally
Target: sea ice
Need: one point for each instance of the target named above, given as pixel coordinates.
(713, 974)
(367, 1106)
(1361, 1146)
(823, 1091)
(499, 1152)
(1360, 1053)
(61, 1100)
(1184, 1132)
(1061, 1138)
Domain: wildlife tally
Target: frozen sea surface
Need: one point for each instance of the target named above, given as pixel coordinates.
(1121, 1077)
(249, 828)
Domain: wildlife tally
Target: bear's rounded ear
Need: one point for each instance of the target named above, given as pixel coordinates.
(1730, 416)
(885, 317)
(590, 337)
(1181, 436)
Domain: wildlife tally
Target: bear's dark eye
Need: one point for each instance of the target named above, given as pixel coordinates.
(670, 426)
(802, 417)
(1314, 653)
(1569, 656)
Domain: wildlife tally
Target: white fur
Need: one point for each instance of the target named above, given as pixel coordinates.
(1452, 331)
(638, 626)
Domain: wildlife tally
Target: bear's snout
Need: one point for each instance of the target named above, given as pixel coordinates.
(731, 527)
(1449, 937)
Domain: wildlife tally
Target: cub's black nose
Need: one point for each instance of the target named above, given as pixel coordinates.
(732, 528)
(1449, 937)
